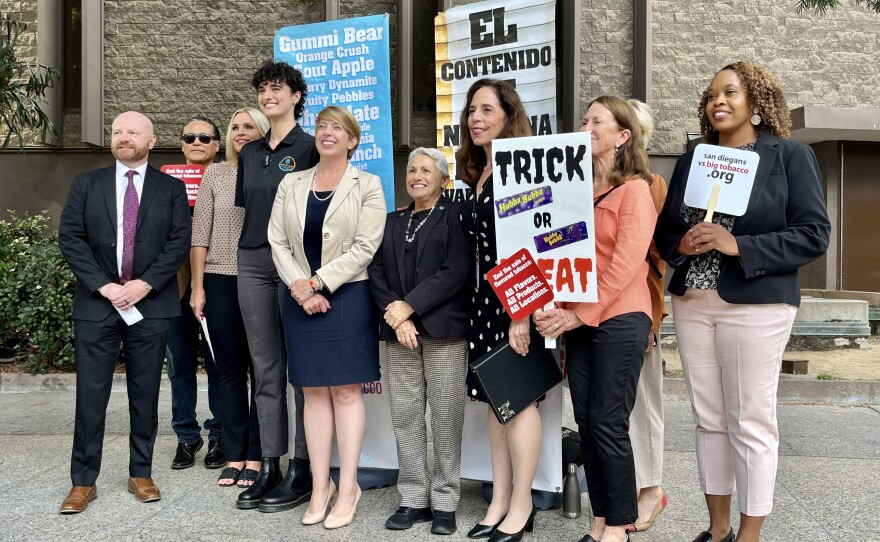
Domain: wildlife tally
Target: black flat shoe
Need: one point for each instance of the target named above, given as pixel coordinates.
(292, 491)
(501, 536)
(706, 536)
(215, 458)
(483, 531)
(444, 523)
(406, 517)
(270, 476)
(185, 457)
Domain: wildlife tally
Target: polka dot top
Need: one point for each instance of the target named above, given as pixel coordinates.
(488, 321)
(217, 221)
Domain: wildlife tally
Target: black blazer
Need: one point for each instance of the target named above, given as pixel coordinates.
(785, 226)
(87, 237)
(445, 259)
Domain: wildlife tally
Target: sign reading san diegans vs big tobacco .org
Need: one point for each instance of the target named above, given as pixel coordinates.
(346, 63)
(514, 40)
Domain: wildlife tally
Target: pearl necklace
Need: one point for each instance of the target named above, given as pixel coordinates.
(314, 180)
(410, 238)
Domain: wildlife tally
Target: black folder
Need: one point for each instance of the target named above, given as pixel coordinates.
(511, 382)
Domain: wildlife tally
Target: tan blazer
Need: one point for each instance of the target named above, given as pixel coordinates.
(353, 228)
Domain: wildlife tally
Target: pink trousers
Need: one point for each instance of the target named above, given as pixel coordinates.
(731, 355)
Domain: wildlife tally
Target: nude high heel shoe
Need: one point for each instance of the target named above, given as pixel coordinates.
(318, 517)
(335, 522)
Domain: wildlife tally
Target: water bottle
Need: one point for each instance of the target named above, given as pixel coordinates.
(571, 494)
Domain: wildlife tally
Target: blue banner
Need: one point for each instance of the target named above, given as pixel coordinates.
(347, 63)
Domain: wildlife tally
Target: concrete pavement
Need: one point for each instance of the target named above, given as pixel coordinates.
(828, 486)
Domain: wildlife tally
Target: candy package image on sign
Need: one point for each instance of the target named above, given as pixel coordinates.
(346, 63)
(543, 188)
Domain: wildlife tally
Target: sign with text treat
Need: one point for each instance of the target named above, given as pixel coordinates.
(543, 189)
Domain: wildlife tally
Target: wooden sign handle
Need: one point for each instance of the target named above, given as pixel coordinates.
(713, 202)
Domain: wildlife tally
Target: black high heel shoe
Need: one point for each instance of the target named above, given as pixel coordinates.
(484, 531)
(501, 536)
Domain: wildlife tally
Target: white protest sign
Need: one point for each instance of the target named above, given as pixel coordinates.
(543, 189)
(733, 170)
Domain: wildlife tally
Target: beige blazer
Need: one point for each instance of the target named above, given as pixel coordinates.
(353, 228)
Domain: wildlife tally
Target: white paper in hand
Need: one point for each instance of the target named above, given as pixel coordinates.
(731, 169)
(207, 336)
(130, 316)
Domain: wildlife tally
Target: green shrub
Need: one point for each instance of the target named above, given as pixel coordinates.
(36, 294)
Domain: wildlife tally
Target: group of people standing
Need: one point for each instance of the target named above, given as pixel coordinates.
(299, 273)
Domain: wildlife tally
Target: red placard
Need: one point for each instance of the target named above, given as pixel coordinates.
(520, 285)
(191, 175)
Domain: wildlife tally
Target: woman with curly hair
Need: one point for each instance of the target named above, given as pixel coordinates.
(735, 292)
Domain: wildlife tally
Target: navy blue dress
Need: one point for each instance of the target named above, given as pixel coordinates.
(339, 346)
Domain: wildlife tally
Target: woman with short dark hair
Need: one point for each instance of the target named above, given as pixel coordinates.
(419, 281)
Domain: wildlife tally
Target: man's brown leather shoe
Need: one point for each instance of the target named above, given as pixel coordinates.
(144, 489)
(78, 499)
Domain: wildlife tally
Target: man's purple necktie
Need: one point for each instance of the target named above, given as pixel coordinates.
(129, 225)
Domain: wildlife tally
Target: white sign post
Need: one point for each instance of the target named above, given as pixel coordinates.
(721, 174)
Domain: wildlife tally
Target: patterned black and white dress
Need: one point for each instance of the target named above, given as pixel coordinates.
(489, 323)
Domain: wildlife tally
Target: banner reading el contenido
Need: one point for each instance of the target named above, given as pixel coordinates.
(347, 63)
(514, 40)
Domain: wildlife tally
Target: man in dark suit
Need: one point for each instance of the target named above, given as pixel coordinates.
(125, 231)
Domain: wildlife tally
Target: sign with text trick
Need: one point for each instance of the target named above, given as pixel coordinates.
(543, 190)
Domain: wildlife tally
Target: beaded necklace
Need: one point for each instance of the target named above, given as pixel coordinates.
(411, 237)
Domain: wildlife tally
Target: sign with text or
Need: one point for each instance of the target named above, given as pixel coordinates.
(513, 40)
(543, 190)
(520, 285)
(191, 175)
(347, 63)
(732, 169)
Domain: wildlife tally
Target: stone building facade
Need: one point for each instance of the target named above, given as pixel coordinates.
(173, 59)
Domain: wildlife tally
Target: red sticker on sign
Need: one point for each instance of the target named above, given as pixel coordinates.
(520, 285)
(191, 175)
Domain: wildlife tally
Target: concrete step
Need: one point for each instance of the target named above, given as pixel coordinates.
(818, 317)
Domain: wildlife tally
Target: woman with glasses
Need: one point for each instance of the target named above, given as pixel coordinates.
(216, 229)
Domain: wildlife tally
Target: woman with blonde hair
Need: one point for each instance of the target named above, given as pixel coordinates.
(646, 422)
(326, 225)
(606, 341)
(216, 227)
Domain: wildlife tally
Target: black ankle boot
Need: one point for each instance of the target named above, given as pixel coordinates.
(295, 489)
(270, 476)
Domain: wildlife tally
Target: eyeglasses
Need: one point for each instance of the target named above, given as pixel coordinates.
(204, 139)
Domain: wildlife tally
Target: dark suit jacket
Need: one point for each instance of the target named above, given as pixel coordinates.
(785, 226)
(87, 237)
(444, 262)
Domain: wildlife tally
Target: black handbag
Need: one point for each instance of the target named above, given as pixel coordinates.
(511, 382)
